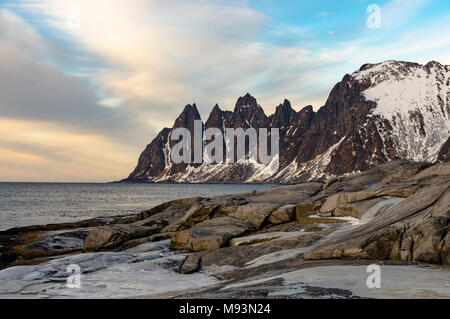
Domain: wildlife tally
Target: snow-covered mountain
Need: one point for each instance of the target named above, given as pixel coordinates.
(386, 111)
(415, 100)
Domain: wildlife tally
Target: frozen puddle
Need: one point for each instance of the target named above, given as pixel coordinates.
(350, 220)
(396, 281)
(143, 270)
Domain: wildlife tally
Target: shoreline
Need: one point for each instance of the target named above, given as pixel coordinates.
(274, 237)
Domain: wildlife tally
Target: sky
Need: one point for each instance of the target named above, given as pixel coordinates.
(86, 85)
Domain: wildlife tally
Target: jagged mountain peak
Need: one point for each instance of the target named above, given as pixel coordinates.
(433, 63)
(286, 103)
(216, 118)
(389, 67)
(283, 116)
(395, 69)
(190, 108)
(248, 113)
(246, 101)
(187, 117)
(216, 111)
(284, 108)
(216, 108)
(308, 108)
(384, 111)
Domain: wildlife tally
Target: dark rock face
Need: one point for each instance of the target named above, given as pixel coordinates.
(360, 126)
(444, 154)
(155, 160)
(152, 160)
(248, 113)
(292, 125)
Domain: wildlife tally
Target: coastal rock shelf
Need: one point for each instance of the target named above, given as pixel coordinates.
(261, 244)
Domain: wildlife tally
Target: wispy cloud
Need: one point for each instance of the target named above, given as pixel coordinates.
(398, 12)
(325, 14)
(131, 66)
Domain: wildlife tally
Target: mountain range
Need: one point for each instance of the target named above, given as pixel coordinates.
(382, 112)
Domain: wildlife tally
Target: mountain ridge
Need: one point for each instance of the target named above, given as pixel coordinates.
(381, 112)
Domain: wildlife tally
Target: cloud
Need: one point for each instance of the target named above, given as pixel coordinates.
(398, 12)
(155, 58)
(32, 88)
(165, 54)
(51, 126)
(419, 44)
(324, 14)
(45, 151)
(131, 66)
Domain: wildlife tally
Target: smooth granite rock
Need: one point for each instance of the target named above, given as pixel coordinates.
(210, 234)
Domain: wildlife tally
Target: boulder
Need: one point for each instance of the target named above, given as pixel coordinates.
(342, 199)
(226, 210)
(196, 214)
(241, 255)
(287, 195)
(413, 230)
(260, 238)
(108, 237)
(303, 214)
(304, 210)
(210, 234)
(331, 203)
(190, 265)
(284, 214)
(435, 170)
(168, 208)
(256, 214)
(356, 209)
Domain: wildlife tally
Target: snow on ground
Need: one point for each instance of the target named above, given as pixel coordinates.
(142, 270)
(149, 270)
(380, 208)
(276, 257)
(316, 166)
(396, 281)
(296, 252)
(351, 220)
(415, 100)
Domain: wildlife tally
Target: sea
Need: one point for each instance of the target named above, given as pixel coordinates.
(25, 204)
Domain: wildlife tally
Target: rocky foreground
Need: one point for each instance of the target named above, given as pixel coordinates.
(310, 240)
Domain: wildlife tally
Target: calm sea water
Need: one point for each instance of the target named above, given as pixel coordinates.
(23, 204)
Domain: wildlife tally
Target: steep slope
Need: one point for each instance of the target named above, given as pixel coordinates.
(415, 100)
(386, 111)
(444, 153)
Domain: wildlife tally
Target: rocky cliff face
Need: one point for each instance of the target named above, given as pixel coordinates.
(392, 110)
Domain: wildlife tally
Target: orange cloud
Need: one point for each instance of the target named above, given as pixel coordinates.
(50, 152)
